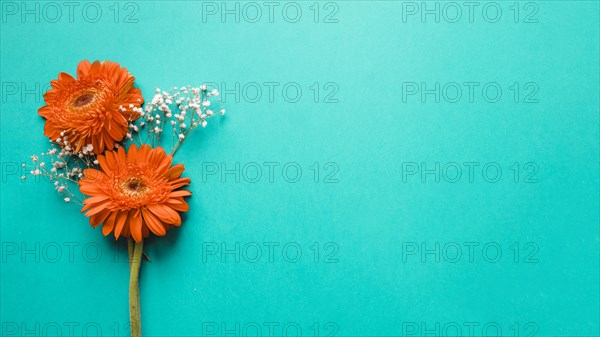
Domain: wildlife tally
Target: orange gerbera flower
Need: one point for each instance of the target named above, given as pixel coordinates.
(92, 109)
(135, 193)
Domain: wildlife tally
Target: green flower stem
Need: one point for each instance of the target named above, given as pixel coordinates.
(134, 290)
(130, 248)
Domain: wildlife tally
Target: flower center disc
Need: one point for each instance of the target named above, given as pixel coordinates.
(83, 100)
(134, 186)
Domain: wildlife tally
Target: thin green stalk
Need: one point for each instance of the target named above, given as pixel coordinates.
(134, 292)
(130, 248)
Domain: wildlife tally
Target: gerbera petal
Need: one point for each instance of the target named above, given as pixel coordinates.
(45, 111)
(180, 193)
(120, 220)
(175, 201)
(175, 171)
(177, 183)
(63, 78)
(156, 155)
(97, 143)
(50, 95)
(97, 208)
(92, 173)
(121, 155)
(89, 188)
(135, 225)
(109, 224)
(165, 214)
(110, 159)
(95, 67)
(132, 154)
(114, 130)
(97, 201)
(108, 142)
(83, 69)
(99, 218)
(107, 228)
(164, 164)
(153, 223)
(103, 163)
(143, 153)
(180, 206)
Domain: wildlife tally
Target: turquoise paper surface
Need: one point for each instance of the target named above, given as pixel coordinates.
(384, 168)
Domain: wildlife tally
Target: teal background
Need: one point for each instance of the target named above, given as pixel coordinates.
(367, 215)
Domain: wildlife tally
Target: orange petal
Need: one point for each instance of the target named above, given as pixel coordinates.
(45, 111)
(114, 130)
(120, 222)
(64, 77)
(97, 201)
(97, 208)
(180, 205)
(153, 223)
(94, 175)
(135, 224)
(121, 155)
(177, 183)
(132, 154)
(165, 214)
(97, 144)
(156, 155)
(97, 219)
(180, 193)
(143, 154)
(109, 224)
(83, 68)
(108, 142)
(89, 188)
(175, 171)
